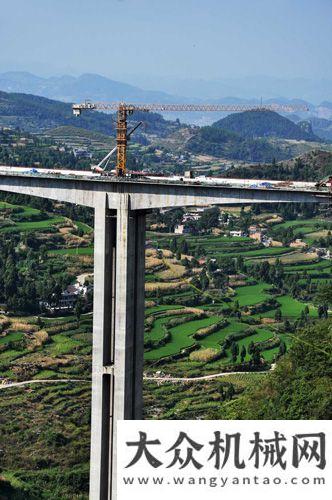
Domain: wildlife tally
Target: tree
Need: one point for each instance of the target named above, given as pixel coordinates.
(282, 349)
(287, 325)
(173, 245)
(79, 309)
(234, 351)
(230, 392)
(323, 312)
(183, 246)
(243, 354)
(278, 315)
(10, 278)
(251, 347)
(256, 356)
(240, 263)
(324, 295)
(204, 280)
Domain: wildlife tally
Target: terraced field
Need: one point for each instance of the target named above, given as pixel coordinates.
(262, 329)
(194, 327)
(169, 287)
(59, 348)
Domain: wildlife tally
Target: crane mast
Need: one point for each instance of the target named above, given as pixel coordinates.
(121, 140)
(125, 109)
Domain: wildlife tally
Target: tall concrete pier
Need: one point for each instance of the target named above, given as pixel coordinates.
(118, 334)
(118, 316)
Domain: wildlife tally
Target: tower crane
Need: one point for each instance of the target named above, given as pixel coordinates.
(124, 109)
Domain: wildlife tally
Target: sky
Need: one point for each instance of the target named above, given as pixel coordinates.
(199, 39)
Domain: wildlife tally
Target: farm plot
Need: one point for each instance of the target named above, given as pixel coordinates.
(252, 294)
(181, 338)
(33, 225)
(215, 339)
(293, 308)
(72, 251)
(307, 225)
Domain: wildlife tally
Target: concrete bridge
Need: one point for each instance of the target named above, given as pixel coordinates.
(120, 206)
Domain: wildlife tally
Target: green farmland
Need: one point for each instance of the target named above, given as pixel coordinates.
(254, 312)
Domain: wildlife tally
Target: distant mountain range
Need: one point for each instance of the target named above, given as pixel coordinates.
(312, 89)
(92, 86)
(322, 127)
(71, 89)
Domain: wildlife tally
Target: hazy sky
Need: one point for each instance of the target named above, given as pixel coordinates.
(208, 39)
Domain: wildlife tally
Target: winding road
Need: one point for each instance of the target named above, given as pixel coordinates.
(37, 381)
(152, 379)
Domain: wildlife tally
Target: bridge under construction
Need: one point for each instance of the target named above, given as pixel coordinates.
(120, 205)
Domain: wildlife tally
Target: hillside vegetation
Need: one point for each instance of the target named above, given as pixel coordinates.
(322, 127)
(299, 387)
(311, 166)
(36, 114)
(251, 124)
(228, 144)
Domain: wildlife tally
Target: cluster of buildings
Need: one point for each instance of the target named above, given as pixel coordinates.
(191, 215)
(67, 300)
(254, 232)
(82, 153)
(323, 253)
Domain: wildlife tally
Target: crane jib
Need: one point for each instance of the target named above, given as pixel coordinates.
(124, 109)
(284, 108)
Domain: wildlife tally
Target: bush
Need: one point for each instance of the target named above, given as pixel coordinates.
(205, 355)
(204, 332)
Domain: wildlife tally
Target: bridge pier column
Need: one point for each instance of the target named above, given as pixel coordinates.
(118, 335)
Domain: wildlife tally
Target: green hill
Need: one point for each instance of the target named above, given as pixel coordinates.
(314, 165)
(251, 124)
(219, 142)
(37, 114)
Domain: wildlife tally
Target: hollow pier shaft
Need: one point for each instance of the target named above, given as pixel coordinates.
(118, 336)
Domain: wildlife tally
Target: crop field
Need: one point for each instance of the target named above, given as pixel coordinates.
(173, 349)
(181, 338)
(46, 448)
(313, 267)
(215, 339)
(295, 258)
(169, 287)
(84, 227)
(252, 294)
(292, 308)
(62, 347)
(309, 224)
(72, 251)
(33, 225)
(196, 325)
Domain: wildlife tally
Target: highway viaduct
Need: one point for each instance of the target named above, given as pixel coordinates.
(120, 207)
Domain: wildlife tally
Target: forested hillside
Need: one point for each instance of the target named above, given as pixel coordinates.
(36, 114)
(309, 167)
(299, 387)
(24, 149)
(219, 142)
(252, 124)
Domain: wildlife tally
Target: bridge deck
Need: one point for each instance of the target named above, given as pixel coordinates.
(152, 191)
